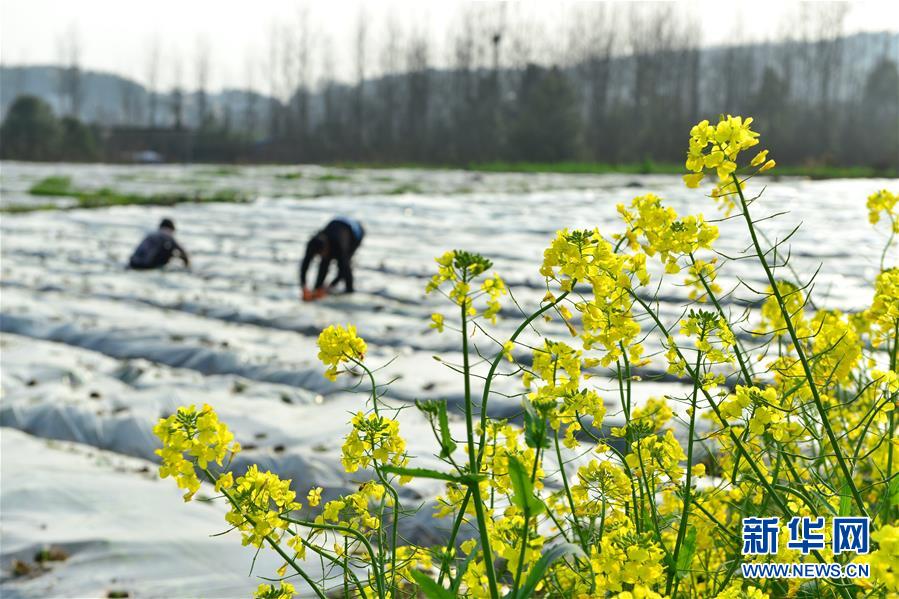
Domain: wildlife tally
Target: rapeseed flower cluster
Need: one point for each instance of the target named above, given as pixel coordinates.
(885, 561)
(284, 590)
(559, 396)
(607, 317)
(882, 317)
(602, 485)
(260, 500)
(658, 229)
(626, 558)
(353, 510)
(711, 334)
(761, 411)
(338, 345)
(651, 417)
(884, 202)
(655, 456)
(192, 439)
(794, 300)
(460, 269)
(716, 147)
(736, 591)
(373, 437)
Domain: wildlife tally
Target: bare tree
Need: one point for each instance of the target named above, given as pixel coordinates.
(152, 74)
(657, 37)
(250, 117)
(70, 85)
(303, 49)
(271, 68)
(827, 58)
(388, 86)
(201, 73)
(463, 91)
(359, 99)
(418, 95)
(286, 80)
(330, 123)
(128, 99)
(176, 102)
(593, 35)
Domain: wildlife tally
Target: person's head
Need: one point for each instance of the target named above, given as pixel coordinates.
(167, 225)
(318, 245)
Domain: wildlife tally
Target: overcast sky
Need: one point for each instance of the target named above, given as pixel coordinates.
(114, 35)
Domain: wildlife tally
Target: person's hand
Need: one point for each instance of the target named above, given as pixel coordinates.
(306, 295)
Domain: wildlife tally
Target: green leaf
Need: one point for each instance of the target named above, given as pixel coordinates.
(447, 445)
(534, 427)
(537, 573)
(845, 501)
(436, 408)
(893, 491)
(524, 497)
(687, 550)
(423, 473)
(430, 588)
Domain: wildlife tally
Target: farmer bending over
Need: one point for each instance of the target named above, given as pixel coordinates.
(338, 241)
(157, 249)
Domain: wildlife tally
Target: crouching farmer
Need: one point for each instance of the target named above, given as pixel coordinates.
(337, 242)
(157, 249)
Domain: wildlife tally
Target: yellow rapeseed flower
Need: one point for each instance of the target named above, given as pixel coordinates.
(885, 202)
(716, 148)
(314, 497)
(269, 591)
(373, 437)
(260, 499)
(338, 345)
(192, 438)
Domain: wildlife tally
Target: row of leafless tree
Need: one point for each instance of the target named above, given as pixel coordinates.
(609, 82)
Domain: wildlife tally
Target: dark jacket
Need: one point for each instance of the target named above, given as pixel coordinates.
(156, 250)
(338, 241)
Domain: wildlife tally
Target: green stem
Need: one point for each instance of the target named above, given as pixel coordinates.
(651, 497)
(483, 422)
(736, 440)
(499, 357)
(274, 544)
(379, 582)
(473, 460)
(451, 544)
(800, 352)
(624, 390)
(627, 439)
(890, 436)
(574, 521)
(394, 525)
(388, 488)
(346, 566)
(886, 248)
(524, 545)
(685, 513)
(347, 571)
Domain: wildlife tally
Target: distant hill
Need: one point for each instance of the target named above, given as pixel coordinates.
(831, 102)
(111, 99)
